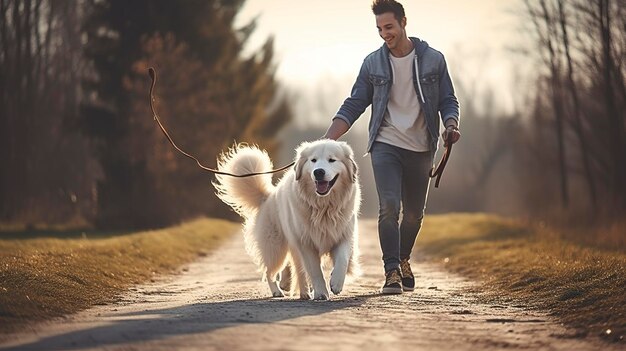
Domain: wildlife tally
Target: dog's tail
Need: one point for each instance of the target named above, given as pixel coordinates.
(244, 195)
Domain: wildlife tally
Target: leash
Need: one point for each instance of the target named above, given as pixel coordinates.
(153, 76)
(438, 172)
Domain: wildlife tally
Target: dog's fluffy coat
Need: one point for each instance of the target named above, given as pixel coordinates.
(310, 213)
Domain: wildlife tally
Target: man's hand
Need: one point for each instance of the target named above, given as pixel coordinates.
(337, 128)
(451, 135)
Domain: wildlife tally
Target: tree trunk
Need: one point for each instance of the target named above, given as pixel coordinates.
(584, 147)
(616, 120)
(557, 104)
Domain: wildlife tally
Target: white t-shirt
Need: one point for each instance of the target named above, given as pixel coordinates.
(404, 124)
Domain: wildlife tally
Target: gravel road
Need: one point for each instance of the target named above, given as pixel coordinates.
(219, 303)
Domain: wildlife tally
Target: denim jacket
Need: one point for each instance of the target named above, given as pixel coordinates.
(373, 85)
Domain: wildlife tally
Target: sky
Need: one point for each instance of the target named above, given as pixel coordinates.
(324, 42)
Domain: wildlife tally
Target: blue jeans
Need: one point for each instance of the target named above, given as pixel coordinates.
(402, 179)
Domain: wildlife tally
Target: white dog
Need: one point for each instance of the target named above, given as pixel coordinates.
(310, 213)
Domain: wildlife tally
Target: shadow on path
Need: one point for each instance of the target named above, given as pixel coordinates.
(189, 319)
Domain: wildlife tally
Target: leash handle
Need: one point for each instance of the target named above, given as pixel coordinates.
(438, 172)
(153, 76)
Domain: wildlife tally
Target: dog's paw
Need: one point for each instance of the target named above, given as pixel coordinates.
(278, 294)
(336, 289)
(305, 296)
(321, 297)
(336, 284)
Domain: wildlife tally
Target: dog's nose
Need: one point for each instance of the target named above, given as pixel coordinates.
(319, 173)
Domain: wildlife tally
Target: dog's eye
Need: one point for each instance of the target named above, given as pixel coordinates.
(331, 160)
(314, 160)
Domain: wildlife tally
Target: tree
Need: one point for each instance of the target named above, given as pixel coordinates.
(583, 42)
(208, 96)
(46, 173)
(547, 34)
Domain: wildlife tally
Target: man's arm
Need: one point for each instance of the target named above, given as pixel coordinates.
(337, 128)
(448, 106)
(448, 103)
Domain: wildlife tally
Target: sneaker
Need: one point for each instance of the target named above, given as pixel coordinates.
(408, 280)
(393, 282)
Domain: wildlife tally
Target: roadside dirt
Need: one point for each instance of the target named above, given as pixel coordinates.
(219, 303)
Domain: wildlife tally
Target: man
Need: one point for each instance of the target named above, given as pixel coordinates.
(408, 85)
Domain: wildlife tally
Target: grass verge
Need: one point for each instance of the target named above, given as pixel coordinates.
(41, 278)
(584, 287)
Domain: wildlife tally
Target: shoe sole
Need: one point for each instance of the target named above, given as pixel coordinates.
(392, 291)
(406, 288)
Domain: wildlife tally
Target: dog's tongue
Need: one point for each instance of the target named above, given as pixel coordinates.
(321, 186)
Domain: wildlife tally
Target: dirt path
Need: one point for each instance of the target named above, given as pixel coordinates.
(219, 303)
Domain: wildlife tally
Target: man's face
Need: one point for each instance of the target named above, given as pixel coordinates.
(390, 29)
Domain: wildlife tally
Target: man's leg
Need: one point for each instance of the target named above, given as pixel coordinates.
(415, 180)
(387, 166)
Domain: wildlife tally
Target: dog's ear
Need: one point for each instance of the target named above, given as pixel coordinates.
(352, 167)
(298, 167)
(301, 159)
(348, 161)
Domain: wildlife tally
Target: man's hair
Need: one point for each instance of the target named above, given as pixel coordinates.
(383, 6)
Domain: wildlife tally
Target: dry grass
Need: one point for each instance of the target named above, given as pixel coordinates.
(42, 278)
(585, 287)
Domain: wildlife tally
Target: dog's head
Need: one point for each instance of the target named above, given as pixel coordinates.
(325, 162)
